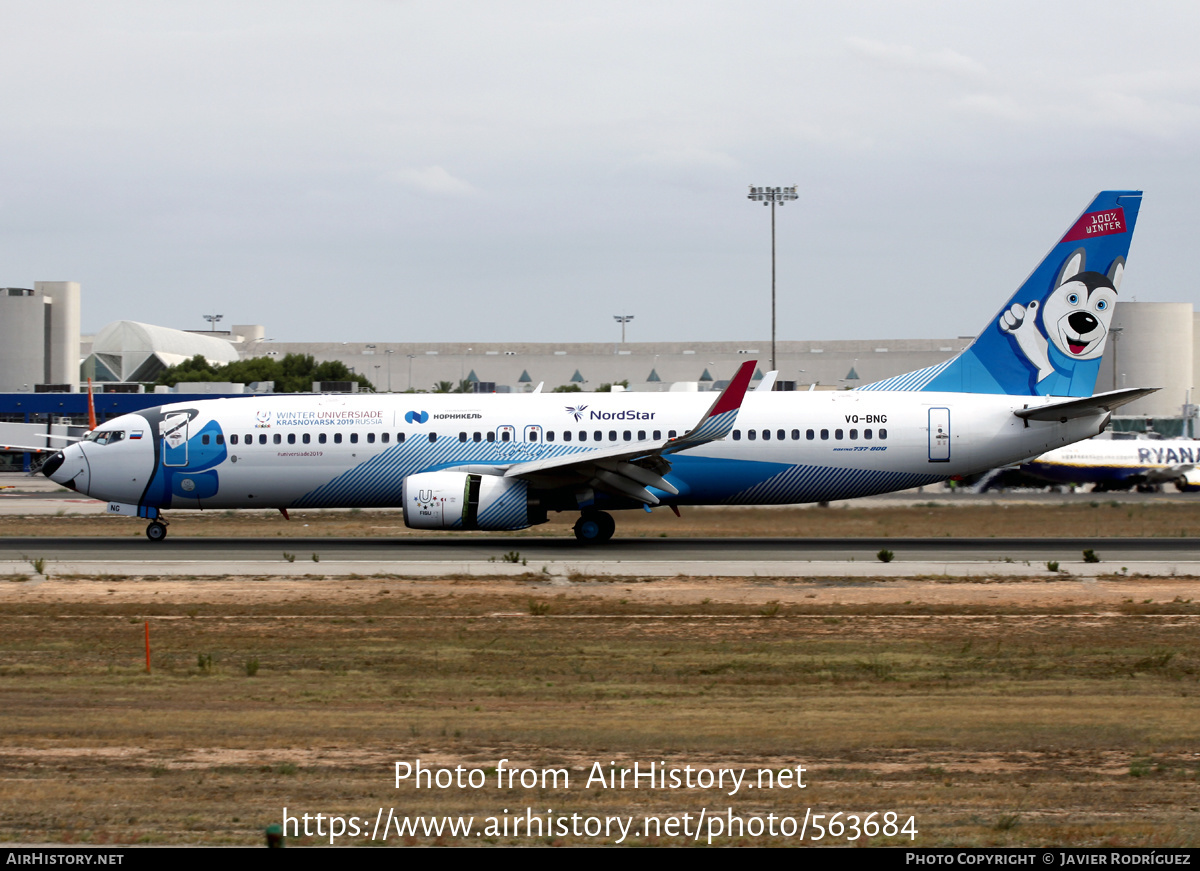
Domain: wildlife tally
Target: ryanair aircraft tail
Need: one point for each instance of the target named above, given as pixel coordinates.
(1050, 335)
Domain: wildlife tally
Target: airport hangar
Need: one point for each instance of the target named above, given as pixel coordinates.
(44, 360)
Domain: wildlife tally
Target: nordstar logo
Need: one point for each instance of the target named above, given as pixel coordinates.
(416, 416)
(577, 411)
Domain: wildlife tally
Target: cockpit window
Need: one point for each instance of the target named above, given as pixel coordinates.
(105, 437)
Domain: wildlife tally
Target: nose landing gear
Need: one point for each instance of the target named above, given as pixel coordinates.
(157, 530)
(595, 527)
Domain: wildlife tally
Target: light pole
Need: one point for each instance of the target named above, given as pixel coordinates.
(389, 353)
(212, 321)
(771, 196)
(410, 359)
(622, 320)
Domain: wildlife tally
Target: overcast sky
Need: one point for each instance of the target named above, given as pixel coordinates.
(522, 171)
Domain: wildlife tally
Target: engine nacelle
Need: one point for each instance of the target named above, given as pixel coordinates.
(461, 500)
(1189, 481)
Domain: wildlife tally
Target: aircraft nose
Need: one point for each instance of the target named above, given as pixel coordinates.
(53, 464)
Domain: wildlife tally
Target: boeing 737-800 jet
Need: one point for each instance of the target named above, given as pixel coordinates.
(502, 462)
(1119, 464)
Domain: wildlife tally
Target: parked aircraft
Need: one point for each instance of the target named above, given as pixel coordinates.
(1119, 464)
(503, 462)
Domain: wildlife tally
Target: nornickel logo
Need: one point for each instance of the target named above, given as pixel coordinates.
(416, 416)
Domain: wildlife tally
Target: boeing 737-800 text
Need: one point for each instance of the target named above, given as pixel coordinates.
(502, 462)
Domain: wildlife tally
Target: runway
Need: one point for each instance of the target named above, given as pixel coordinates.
(562, 558)
(476, 547)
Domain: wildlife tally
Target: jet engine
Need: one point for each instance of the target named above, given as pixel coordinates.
(461, 500)
(1189, 481)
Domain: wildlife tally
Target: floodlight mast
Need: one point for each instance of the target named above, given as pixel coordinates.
(622, 320)
(212, 321)
(771, 196)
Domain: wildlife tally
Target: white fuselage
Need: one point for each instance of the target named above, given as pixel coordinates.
(1117, 462)
(355, 450)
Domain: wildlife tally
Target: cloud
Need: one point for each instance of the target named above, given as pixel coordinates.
(906, 57)
(433, 180)
(1002, 108)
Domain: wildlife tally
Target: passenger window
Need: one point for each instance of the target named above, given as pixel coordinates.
(566, 435)
(462, 436)
(867, 434)
(795, 435)
(504, 436)
(399, 437)
(883, 433)
(371, 438)
(306, 438)
(220, 438)
(657, 434)
(597, 436)
(337, 438)
(203, 438)
(291, 438)
(491, 437)
(322, 437)
(641, 435)
(353, 438)
(627, 435)
(837, 434)
(550, 436)
(824, 434)
(583, 435)
(781, 435)
(671, 434)
(249, 439)
(477, 437)
(233, 439)
(532, 435)
(766, 435)
(853, 435)
(809, 434)
(277, 438)
(384, 436)
(262, 438)
(752, 434)
(432, 437)
(737, 435)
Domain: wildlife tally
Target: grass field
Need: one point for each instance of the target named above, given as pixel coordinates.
(997, 721)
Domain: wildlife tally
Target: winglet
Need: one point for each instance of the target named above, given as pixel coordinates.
(719, 420)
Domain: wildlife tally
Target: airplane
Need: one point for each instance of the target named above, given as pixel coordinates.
(1119, 464)
(501, 462)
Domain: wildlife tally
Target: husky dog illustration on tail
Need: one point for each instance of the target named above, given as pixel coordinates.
(1075, 323)
(1049, 337)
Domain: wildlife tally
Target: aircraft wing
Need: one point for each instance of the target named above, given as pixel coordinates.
(628, 469)
(1069, 409)
(42, 450)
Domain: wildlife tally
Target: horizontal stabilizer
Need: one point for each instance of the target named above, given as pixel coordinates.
(1069, 409)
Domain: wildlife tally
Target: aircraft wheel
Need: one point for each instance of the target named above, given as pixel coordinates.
(156, 531)
(595, 527)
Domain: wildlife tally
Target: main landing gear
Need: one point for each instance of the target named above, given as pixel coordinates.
(157, 530)
(595, 527)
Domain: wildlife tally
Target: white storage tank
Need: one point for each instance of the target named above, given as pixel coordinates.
(1152, 347)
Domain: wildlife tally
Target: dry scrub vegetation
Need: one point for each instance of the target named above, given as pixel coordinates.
(1000, 723)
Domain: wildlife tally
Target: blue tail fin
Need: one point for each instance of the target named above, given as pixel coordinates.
(1049, 337)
